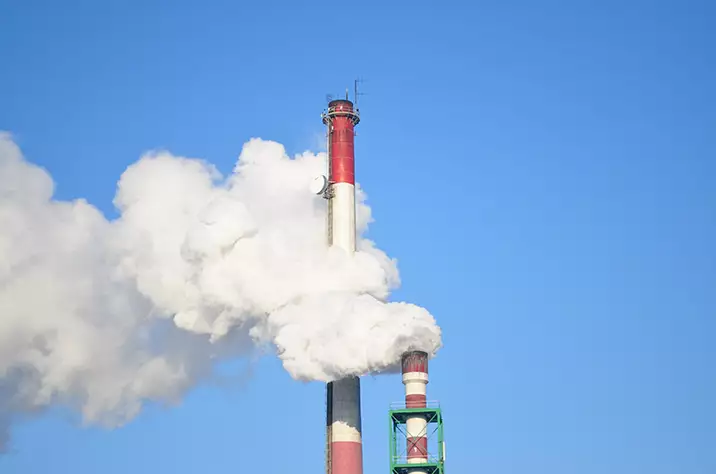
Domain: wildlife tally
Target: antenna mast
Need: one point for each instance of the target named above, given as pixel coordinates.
(357, 94)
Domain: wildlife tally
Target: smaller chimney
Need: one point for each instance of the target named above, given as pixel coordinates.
(415, 379)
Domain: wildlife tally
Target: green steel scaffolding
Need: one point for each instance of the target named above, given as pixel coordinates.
(398, 440)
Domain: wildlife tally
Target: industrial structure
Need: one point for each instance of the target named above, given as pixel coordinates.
(412, 422)
(417, 443)
(344, 449)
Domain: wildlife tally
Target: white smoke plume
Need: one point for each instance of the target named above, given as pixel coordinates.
(103, 315)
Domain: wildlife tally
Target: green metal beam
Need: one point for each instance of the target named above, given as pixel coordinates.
(398, 455)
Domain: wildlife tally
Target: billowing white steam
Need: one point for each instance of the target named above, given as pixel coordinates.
(102, 315)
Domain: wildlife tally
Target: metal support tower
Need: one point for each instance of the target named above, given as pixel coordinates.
(402, 444)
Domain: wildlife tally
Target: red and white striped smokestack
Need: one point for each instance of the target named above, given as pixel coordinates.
(415, 379)
(344, 451)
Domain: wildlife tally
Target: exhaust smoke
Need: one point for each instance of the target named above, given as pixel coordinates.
(102, 315)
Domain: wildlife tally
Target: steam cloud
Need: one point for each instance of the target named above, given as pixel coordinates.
(103, 315)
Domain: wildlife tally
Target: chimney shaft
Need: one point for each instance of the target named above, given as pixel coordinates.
(344, 444)
(415, 379)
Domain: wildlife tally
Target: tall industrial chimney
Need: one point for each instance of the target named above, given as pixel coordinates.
(344, 451)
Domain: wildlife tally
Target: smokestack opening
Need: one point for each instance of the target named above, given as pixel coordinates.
(415, 378)
(415, 361)
(337, 102)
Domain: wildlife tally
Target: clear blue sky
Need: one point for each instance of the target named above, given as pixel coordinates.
(543, 171)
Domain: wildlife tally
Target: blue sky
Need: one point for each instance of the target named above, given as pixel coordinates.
(542, 171)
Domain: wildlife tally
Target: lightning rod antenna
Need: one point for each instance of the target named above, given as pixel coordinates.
(357, 93)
